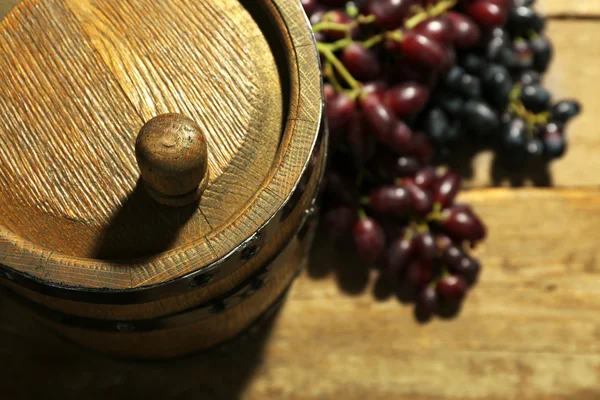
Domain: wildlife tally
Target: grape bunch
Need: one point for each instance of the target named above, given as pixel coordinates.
(406, 83)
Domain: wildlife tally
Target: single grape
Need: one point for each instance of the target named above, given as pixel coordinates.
(328, 92)
(454, 77)
(515, 135)
(339, 110)
(417, 275)
(466, 33)
(487, 14)
(535, 98)
(425, 178)
(542, 50)
(401, 137)
(362, 63)
(389, 14)
(565, 110)
(449, 101)
(422, 200)
(338, 222)
(452, 256)
(377, 88)
(406, 166)
(451, 289)
(407, 98)
(336, 17)
(497, 85)
(446, 188)
(426, 246)
(426, 304)
(309, 6)
(399, 255)
(424, 51)
(535, 147)
(439, 29)
(462, 224)
(473, 63)
(394, 200)
(379, 117)
(470, 86)
(480, 118)
(436, 125)
(468, 269)
(529, 77)
(369, 239)
(523, 19)
(554, 145)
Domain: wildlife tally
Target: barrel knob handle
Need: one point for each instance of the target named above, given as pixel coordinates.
(172, 155)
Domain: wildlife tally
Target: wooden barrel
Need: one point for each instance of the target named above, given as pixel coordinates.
(159, 164)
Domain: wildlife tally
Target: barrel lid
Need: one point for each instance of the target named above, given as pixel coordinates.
(82, 78)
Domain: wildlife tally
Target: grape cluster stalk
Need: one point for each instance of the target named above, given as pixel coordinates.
(406, 83)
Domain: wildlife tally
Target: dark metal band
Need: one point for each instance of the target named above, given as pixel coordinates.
(218, 305)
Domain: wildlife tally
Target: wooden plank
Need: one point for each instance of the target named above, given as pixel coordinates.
(529, 330)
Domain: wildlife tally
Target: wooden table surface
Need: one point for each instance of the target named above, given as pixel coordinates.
(530, 329)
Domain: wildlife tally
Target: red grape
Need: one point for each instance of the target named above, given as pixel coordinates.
(466, 32)
(425, 178)
(424, 51)
(394, 200)
(426, 304)
(426, 246)
(461, 223)
(401, 137)
(487, 14)
(360, 142)
(421, 199)
(451, 289)
(339, 111)
(446, 189)
(362, 63)
(407, 98)
(421, 147)
(369, 239)
(379, 116)
(439, 29)
(399, 256)
(389, 14)
(338, 222)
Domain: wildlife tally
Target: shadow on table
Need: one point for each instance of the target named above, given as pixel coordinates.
(534, 172)
(39, 365)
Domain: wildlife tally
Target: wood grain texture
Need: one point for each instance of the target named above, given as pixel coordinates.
(238, 86)
(567, 8)
(529, 330)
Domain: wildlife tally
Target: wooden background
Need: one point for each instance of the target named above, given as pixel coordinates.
(530, 329)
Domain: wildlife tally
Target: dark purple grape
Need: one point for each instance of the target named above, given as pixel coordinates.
(380, 118)
(542, 53)
(369, 239)
(401, 137)
(399, 256)
(565, 110)
(523, 19)
(389, 14)
(466, 33)
(422, 200)
(468, 268)
(535, 147)
(425, 178)
(529, 77)
(487, 14)
(436, 124)
(473, 63)
(359, 140)
(339, 111)
(480, 118)
(407, 98)
(454, 77)
(362, 63)
(451, 289)
(535, 98)
(497, 85)
(309, 6)
(470, 86)
(426, 246)
(338, 222)
(424, 51)
(426, 304)
(452, 256)
(446, 188)
(417, 276)
(514, 138)
(394, 200)
(524, 54)
(406, 166)
(461, 223)
(450, 102)
(439, 29)
(554, 144)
